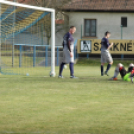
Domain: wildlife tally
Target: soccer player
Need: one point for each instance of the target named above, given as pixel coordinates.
(68, 52)
(126, 75)
(105, 55)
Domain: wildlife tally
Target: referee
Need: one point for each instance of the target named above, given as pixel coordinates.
(68, 52)
(105, 55)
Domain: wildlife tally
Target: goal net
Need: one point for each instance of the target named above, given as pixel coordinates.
(27, 35)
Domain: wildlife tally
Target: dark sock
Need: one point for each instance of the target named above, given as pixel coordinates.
(108, 67)
(101, 69)
(61, 68)
(71, 66)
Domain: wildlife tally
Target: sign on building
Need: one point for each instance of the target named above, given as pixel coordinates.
(94, 46)
(85, 46)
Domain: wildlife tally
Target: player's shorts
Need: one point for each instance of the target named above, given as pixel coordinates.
(106, 57)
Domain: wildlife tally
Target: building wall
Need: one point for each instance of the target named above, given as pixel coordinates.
(105, 22)
(59, 38)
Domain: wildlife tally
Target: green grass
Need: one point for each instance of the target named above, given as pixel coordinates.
(96, 62)
(89, 105)
(25, 61)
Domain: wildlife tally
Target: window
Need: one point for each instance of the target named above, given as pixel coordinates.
(124, 21)
(90, 28)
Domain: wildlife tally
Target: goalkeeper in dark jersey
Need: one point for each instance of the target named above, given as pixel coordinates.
(126, 75)
(68, 52)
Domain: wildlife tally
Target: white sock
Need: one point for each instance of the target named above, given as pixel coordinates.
(116, 72)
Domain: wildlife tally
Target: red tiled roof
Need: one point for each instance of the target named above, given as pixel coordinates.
(100, 5)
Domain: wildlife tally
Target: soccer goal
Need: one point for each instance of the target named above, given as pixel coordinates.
(26, 32)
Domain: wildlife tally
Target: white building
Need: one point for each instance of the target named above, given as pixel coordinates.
(98, 16)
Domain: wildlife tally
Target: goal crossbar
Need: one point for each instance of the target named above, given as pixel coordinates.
(26, 6)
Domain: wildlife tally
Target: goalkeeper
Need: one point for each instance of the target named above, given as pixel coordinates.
(126, 75)
(68, 54)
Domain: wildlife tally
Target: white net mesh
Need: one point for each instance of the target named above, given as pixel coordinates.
(25, 38)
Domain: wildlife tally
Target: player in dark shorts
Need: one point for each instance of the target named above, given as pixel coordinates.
(126, 75)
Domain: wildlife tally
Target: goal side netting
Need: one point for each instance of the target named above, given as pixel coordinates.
(26, 34)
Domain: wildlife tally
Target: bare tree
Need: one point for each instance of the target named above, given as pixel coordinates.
(60, 15)
(45, 23)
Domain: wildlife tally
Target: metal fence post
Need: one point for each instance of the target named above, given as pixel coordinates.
(34, 56)
(87, 56)
(121, 31)
(20, 58)
(57, 56)
(81, 31)
(75, 50)
(13, 34)
(77, 55)
(46, 56)
(122, 56)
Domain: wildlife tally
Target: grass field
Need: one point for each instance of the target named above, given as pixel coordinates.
(89, 105)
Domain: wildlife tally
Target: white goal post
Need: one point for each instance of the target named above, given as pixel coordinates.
(52, 11)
